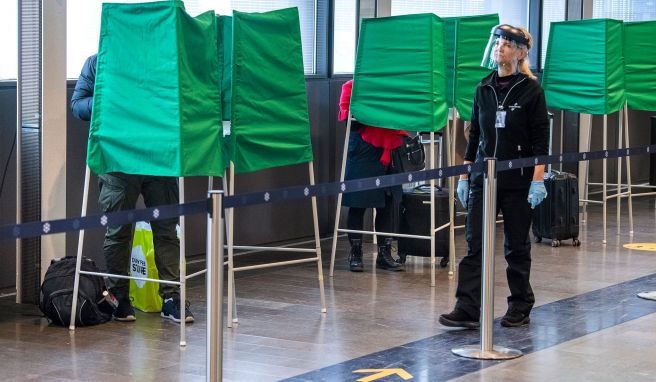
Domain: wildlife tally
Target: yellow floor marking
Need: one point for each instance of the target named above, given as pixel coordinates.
(382, 373)
(641, 246)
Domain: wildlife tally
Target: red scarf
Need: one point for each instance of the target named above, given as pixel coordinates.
(387, 139)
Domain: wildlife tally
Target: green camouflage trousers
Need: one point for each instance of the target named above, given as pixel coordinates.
(120, 191)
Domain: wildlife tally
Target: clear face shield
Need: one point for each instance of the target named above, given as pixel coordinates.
(502, 35)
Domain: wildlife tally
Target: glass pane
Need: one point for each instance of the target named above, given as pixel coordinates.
(552, 10)
(626, 10)
(9, 40)
(514, 12)
(344, 37)
(83, 18)
(83, 31)
(306, 11)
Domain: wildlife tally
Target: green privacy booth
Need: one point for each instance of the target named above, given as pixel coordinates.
(156, 93)
(584, 67)
(399, 83)
(640, 64)
(270, 124)
(584, 73)
(270, 120)
(399, 80)
(465, 40)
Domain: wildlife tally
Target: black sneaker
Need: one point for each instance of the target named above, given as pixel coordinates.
(458, 319)
(514, 318)
(124, 312)
(171, 310)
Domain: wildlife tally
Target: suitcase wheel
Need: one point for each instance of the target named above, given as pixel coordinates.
(444, 262)
(402, 258)
(576, 242)
(538, 239)
(555, 243)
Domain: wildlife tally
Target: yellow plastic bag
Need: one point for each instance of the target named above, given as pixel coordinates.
(144, 294)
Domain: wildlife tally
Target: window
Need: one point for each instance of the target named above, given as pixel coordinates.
(83, 18)
(344, 36)
(514, 12)
(552, 10)
(626, 10)
(9, 40)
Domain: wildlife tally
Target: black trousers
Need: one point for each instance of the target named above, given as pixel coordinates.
(386, 219)
(517, 250)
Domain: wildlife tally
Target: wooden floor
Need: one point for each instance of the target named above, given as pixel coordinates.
(282, 334)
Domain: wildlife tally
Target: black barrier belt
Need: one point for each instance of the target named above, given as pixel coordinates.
(111, 219)
(573, 157)
(33, 229)
(362, 184)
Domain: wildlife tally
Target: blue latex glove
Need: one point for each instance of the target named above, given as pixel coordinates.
(536, 193)
(463, 191)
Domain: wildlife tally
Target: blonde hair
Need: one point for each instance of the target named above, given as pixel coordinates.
(523, 64)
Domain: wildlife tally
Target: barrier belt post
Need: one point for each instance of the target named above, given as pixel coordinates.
(486, 349)
(214, 361)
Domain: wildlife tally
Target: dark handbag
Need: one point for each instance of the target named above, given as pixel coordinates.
(410, 156)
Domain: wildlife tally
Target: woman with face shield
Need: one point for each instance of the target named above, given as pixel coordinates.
(509, 121)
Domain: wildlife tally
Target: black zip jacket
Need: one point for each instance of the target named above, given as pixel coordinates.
(82, 98)
(526, 131)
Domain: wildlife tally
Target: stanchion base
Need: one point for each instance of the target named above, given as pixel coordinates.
(497, 352)
(648, 295)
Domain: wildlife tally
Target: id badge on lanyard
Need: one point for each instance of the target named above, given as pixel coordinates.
(500, 121)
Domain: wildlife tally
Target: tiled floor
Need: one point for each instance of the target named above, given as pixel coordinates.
(379, 317)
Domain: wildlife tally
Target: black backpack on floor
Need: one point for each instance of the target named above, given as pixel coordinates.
(56, 297)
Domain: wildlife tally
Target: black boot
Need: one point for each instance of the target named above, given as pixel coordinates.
(385, 259)
(355, 258)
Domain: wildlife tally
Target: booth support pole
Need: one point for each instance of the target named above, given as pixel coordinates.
(183, 269)
(214, 355)
(80, 246)
(618, 205)
(339, 196)
(232, 297)
(432, 211)
(628, 167)
(317, 240)
(452, 212)
(604, 185)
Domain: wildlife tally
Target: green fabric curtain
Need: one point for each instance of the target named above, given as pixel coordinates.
(156, 93)
(270, 121)
(224, 29)
(584, 68)
(640, 64)
(464, 43)
(224, 25)
(399, 80)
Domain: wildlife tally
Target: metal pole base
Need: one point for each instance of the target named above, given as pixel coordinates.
(497, 352)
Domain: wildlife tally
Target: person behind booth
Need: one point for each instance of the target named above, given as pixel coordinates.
(369, 155)
(509, 121)
(119, 191)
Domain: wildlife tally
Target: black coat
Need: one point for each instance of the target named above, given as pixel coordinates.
(526, 131)
(82, 99)
(363, 161)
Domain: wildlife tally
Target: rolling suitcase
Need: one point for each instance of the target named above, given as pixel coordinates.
(415, 220)
(557, 217)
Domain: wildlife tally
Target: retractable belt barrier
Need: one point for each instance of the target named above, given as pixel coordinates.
(33, 229)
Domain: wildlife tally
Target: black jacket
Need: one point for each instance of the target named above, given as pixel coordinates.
(82, 98)
(526, 131)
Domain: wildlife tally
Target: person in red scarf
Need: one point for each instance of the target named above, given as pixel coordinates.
(369, 154)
